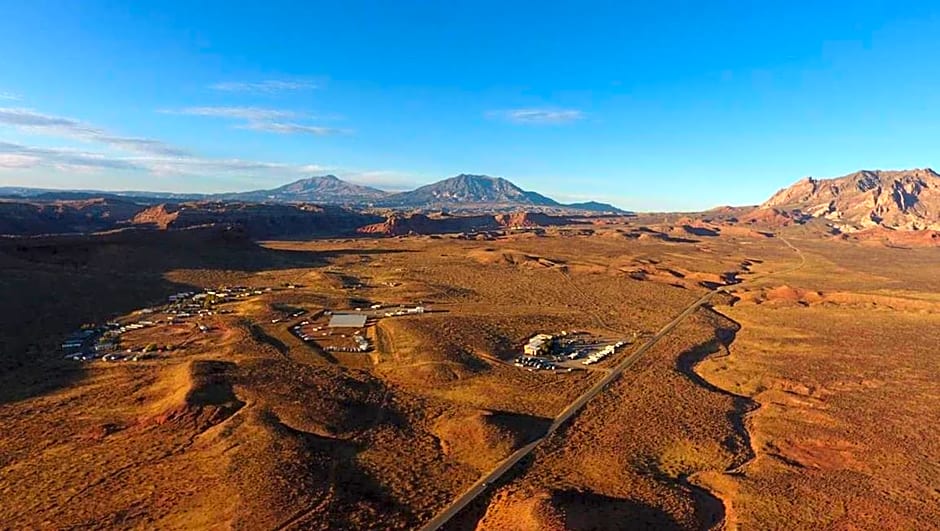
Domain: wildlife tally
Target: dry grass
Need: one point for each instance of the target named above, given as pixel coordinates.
(250, 428)
(848, 391)
(638, 443)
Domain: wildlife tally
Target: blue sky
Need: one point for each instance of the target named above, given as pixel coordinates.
(649, 105)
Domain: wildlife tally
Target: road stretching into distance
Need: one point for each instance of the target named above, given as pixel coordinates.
(505, 465)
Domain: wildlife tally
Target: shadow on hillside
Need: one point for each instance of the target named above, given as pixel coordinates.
(581, 510)
(700, 231)
(53, 285)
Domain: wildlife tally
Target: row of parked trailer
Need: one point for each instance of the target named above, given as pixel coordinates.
(402, 311)
(103, 342)
(294, 314)
(93, 343)
(603, 353)
(362, 342)
(533, 363)
(297, 330)
(362, 345)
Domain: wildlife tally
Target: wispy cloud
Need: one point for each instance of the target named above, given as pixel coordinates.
(13, 155)
(269, 86)
(9, 96)
(30, 118)
(36, 122)
(261, 119)
(20, 156)
(241, 113)
(153, 156)
(130, 157)
(286, 128)
(537, 116)
(393, 181)
(141, 145)
(195, 166)
(17, 160)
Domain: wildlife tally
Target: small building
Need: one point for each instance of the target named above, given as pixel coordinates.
(539, 344)
(348, 320)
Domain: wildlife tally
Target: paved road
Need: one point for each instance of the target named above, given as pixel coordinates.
(481, 484)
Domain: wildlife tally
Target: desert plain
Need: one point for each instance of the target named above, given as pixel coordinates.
(802, 393)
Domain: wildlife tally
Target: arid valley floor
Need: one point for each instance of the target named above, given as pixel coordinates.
(804, 393)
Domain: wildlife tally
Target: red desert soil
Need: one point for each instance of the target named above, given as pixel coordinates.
(568, 509)
(399, 224)
(899, 238)
(481, 438)
(774, 218)
(842, 361)
(637, 448)
(247, 426)
(160, 216)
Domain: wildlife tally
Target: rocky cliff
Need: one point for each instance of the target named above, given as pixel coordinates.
(904, 200)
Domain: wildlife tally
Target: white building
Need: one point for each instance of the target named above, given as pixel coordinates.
(538, 345)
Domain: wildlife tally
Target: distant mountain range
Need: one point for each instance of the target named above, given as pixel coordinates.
(864, 201)
(461, 193)
(901, 200)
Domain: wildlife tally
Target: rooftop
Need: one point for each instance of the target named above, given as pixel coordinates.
(347, 320)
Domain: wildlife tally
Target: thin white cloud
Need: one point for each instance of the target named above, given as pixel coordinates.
(292, 128)
(16, 160)
(240, 113)
(20, 156)
(269, 86)
(392, 181)
(201, 166)
(29, 118)
(9, 96)
(13, 155)
(36, 122)
(535, 116)
(141, 145)
(260, 119)
(130, 157)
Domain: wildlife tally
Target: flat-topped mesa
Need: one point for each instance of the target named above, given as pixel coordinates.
(256, 219)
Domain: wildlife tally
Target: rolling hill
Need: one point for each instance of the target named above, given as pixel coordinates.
(77, 216)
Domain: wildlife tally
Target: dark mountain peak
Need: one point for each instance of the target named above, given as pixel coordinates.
(474, 177)
(317, 189)
(315, 181)
(469, 189)
(477, 185)
(471, 178)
